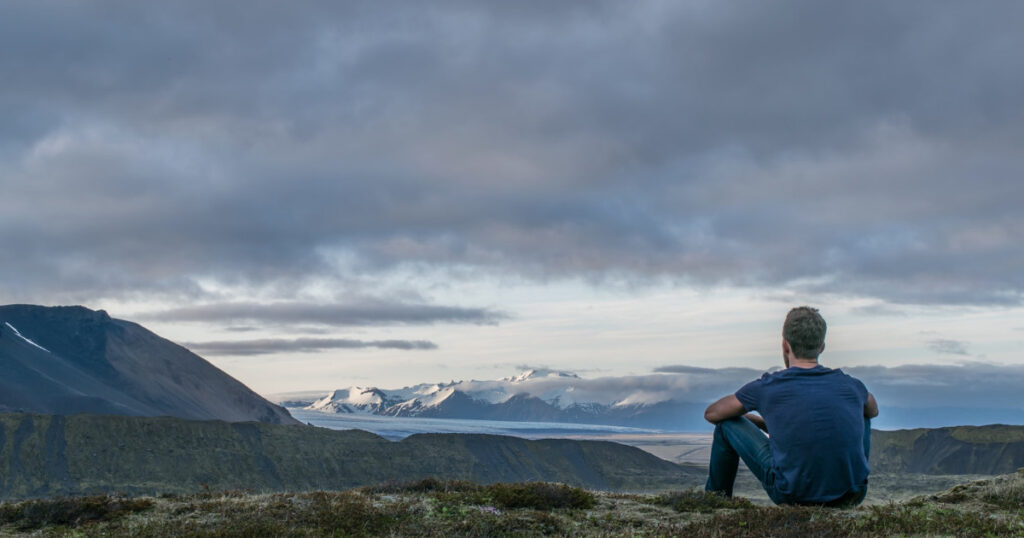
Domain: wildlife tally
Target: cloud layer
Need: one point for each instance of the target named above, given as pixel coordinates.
(300, 345)
(367, 313)
(870, 148)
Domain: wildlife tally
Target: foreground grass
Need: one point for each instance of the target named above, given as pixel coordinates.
(455, 508)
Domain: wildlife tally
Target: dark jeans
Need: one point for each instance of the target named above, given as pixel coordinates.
(738, 438)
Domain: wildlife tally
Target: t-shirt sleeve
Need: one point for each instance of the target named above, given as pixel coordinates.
(862, 391)
(750, 394)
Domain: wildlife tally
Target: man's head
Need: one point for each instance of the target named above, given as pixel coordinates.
(804, 329)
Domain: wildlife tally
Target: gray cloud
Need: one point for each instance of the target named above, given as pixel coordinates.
(300, 345)
(683, 369)
(368, 313)
(880, 310)
(948, 347)
(865, 148)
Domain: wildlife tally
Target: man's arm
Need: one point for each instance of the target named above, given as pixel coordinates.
(725, 408)
(758, 421)
(871, 407)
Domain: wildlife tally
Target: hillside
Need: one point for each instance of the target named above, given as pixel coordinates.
(69, 359)
(53, 455)
(990, 450)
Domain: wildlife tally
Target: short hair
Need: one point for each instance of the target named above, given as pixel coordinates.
(804, 329)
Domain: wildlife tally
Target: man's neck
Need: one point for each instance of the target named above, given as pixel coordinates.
(802, 363)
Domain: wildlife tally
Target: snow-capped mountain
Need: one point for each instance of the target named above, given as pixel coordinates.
(354, 400)
(538, 373)
(534, 395)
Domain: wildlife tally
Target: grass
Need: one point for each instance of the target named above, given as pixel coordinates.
(534, 495)
(699, 501)
(70, 511)
(433, 507)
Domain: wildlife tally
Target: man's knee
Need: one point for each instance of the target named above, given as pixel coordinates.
(735, 424)
(728, 424)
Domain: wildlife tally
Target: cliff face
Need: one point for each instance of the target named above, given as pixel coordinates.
(54, 455)
(995, 449)
(65, 360)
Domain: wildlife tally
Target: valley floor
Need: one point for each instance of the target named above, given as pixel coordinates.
(993, 507)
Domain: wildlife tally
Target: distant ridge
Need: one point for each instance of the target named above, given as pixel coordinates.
(994, 449)
(80, 454)
(70, 359)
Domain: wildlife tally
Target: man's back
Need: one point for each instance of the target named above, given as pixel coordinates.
(815, 417)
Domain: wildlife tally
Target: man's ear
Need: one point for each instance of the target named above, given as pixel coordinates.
(785, 347)
(822, 348)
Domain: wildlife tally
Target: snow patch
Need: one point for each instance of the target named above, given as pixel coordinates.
(538, 373)
(19, 335)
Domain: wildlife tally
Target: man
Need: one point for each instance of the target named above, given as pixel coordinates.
(818, 420)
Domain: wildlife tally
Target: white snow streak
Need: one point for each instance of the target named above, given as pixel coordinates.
(25, 339)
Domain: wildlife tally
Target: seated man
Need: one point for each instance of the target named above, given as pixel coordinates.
(818, 418)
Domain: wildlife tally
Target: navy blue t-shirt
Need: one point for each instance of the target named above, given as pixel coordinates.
(815, 419)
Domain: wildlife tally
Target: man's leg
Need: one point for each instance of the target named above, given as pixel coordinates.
(734, 439)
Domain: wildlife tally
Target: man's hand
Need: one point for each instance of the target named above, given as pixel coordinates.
(758, 421)
(871, 407)
(725, 408)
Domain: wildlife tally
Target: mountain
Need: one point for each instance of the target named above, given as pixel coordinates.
(69, 359)
(994, 449)
(536, 395)
(81, 454)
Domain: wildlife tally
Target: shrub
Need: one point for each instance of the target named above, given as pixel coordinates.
(782, 521)
(539, 496)
(426, 485)
(928, 520)
(69, 511)
(699, 501)
(536, 495)
(1009, 497)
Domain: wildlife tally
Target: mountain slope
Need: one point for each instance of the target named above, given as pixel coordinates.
(54, 455)
(64, 360)
(994, 449)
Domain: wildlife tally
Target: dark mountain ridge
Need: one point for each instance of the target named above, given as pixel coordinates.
(55, 455)
(70, 359)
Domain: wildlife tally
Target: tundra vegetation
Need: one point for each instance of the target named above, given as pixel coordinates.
(432, 507)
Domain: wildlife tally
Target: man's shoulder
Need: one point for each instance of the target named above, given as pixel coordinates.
(823, 373)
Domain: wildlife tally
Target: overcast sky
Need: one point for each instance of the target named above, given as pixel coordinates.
(320, 194)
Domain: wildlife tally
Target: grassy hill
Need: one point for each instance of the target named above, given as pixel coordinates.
(43, 455)
(991, 507)
(994, 449)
